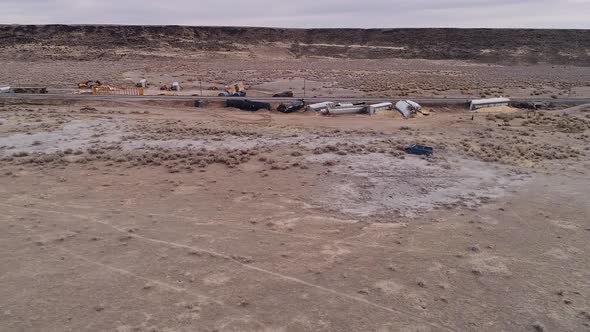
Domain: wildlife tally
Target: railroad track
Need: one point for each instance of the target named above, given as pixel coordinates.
(422, 100)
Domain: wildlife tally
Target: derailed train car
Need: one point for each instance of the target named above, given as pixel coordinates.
(247, 105)
(291, 107)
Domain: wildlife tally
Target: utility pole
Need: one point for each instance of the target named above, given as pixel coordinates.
(201, 86)
(304, 88)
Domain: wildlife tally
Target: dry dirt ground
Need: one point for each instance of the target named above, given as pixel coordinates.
(132, 217)
(266, 72)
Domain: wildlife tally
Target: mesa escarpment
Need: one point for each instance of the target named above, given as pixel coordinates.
(503, 46)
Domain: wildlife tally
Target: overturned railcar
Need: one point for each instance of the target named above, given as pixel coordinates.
(489, 102)
(247, 105)
(319, 106)
(291, 107)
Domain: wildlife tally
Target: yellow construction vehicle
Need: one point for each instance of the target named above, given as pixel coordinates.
(234, 90)
(88, 84)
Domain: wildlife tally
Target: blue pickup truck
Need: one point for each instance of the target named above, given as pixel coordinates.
(419, 149)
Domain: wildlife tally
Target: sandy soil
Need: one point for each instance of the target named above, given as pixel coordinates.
(267, 74)
(137, 217)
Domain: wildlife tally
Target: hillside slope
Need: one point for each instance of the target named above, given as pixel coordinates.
(506, 46)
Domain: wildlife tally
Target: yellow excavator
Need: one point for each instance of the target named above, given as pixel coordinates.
(234, 90)
(88, 84)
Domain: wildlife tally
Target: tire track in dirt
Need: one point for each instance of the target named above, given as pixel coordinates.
(135, 275)
(302, 236)
(416, 318)
(245, 227)
(278, 275)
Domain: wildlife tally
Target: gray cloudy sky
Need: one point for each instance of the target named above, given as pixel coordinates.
(304, 13)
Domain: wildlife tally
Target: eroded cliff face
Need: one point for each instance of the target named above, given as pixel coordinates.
(506, 46)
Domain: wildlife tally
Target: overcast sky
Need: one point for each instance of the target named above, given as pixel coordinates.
(304, 13)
